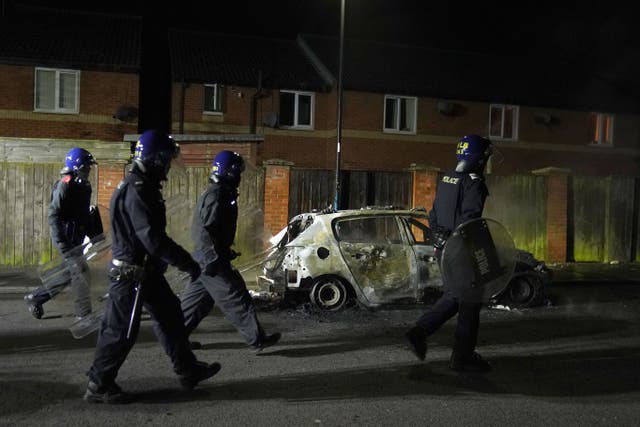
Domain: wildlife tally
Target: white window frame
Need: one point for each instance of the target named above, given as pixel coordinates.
(296, 99)
(514, 124)
(601, 139)
(218, 95)
(56, 89)
(397, 99)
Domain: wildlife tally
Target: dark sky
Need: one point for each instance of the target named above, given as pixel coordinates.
(496, 26)
(600, 33)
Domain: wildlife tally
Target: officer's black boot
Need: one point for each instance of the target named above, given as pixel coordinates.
(35, 308)
(472, 363)
(200, 371)
(417, 341)
(266, 341)
(112, 394)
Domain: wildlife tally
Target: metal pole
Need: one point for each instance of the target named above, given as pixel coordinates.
(339, 120)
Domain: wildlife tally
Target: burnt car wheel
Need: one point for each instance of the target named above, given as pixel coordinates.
(329, 293)
(526, 290)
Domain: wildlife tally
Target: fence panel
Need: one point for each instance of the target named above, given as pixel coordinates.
(25, 195)
(315, 189)
(186, 185)
(518, 202)
(587, 218)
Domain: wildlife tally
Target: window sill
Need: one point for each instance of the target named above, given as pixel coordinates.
(56, 112)
(295, 128)
(399, 132)
(213, 113)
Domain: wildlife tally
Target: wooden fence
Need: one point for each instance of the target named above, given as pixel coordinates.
(315, 190)
(603, 219)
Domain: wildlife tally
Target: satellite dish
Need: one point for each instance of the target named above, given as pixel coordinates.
(271, 120)
(126, 113)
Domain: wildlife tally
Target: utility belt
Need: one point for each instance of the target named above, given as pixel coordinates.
(121, 270)
(440, 238)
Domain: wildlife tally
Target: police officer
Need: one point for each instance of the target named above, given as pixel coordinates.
(70, 220)
(141, 251)
(214, 227)
(460, 196)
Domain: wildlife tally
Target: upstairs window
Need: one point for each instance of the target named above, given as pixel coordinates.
(296, 109)
(400, 114)
(601, 129)
(213, 98)
(56, 91)
(503, 121)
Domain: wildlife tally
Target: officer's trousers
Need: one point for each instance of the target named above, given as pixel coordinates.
(80, 291)
(466, 333)
(222, 284)
(113, 346)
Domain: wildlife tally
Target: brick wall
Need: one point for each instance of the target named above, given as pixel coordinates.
(425, 180)
(557, 181)
(109, 175)
(276, 195)
(101, 93)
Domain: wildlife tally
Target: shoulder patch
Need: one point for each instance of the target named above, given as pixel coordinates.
(66, 179)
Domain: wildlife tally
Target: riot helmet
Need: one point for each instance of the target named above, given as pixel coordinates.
(78, 162)
(226, 168)
(153, 154)
(472, 153)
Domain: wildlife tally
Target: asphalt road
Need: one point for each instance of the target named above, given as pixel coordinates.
(573, 362)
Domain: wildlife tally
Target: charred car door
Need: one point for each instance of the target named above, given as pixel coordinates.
(378, 257)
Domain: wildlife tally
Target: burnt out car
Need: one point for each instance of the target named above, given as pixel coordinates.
(374, 256)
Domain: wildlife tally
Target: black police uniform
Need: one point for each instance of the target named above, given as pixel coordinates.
(138, 221)
(213, 230)
(459, 197)
(69, 223)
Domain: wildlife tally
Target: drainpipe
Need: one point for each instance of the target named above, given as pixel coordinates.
(254, 105)
(182, 101)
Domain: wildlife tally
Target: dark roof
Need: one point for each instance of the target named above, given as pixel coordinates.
(59, 38)
(201, 57)
(471, 76)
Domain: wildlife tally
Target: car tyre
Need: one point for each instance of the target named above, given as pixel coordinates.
(329, 294)
(525, 290)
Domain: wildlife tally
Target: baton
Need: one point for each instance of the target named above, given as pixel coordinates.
(137, 301)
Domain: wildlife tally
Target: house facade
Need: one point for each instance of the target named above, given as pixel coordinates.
(69, 81)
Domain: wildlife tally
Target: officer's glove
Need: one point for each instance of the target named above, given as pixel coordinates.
(193, 269)
(76, 263)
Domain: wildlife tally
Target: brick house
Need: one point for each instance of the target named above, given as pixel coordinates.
(404, 109)
(69, 79)
(66, 81)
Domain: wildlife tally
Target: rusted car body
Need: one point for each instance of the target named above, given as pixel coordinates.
(373, 256)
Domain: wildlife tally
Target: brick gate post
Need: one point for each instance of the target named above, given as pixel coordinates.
(557, 182)
(425, 179)
(276, 194)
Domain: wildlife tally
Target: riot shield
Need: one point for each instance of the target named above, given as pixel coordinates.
(478, 260)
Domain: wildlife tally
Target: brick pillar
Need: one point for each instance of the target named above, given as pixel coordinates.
(276, 194)
(109, 175)
(557, 180)
(425, 179)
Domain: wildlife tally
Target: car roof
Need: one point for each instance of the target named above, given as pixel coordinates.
(374, 211)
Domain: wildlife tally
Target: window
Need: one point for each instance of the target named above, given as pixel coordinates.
(296, 109)
(503, 121)
(213, 98)
(601, 129)
(400, 114)
(373, 230)
(56, 91)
